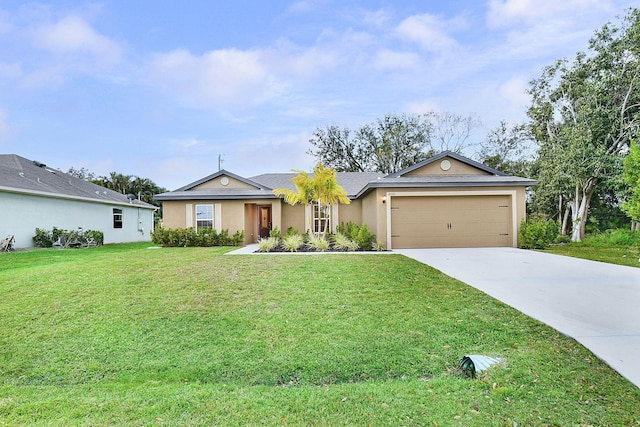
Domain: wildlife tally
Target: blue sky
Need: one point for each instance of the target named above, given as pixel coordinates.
(160, 89)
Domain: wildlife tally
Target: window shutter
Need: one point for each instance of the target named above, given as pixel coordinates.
(217, 217)
(189, 215)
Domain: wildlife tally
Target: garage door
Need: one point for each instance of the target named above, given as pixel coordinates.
(451, 221)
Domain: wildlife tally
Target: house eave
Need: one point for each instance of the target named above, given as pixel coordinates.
(74, 198)
(460, 184)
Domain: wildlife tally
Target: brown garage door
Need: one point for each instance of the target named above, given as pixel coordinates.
(451, 221)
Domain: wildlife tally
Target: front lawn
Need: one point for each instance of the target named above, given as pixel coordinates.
(127, 335)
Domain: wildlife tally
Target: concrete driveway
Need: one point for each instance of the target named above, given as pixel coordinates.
(595, 303)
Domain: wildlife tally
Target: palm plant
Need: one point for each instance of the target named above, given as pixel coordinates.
(321, 188)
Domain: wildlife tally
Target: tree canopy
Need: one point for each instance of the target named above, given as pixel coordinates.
(584, 113)
(392, 143)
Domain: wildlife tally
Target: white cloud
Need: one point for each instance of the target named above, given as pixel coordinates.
(73, 35)
(429, 31)
(220, 76)
(514, 91)
(388, 59)
(185, 143)
(510, 12)
(422, 107)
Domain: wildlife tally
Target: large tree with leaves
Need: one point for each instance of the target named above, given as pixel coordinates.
(391, 143)
(584, 113)
(388, 145)
(508, 148)
(632, 178)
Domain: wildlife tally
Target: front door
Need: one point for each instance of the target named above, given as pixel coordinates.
(264, 221)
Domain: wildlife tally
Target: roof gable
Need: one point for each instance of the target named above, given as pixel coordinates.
(223, 180)
(446, 163)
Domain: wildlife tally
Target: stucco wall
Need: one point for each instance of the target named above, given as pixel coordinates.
(21, 214)
(351, 212)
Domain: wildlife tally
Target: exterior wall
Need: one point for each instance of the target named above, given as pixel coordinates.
(351, 212)
(293, 216)
(23, 213)
(457, 168)
(374, 214)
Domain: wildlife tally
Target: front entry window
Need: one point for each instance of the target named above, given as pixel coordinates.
(204, 216)
(321, 218)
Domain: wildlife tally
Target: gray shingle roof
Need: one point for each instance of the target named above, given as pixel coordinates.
(352, 182)
(21, 175)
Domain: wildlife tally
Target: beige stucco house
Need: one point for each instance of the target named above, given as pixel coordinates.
(445, 201)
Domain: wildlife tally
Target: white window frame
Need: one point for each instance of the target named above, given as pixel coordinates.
(118, 218)
(204, 215)
(216, 216)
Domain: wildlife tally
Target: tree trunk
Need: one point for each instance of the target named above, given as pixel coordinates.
(565, 220)
(581, 209)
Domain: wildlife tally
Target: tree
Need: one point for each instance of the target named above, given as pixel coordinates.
(632, 177)
(451, 131)
(583, 114)
(321, 188)
(392, 143)
(81, 173)
(508, 149)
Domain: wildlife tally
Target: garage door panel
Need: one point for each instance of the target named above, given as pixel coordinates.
(451, 221)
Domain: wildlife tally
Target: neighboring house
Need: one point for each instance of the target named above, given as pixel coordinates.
(445, 201)
(35, 196)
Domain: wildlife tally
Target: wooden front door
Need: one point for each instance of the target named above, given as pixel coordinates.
(264, 221)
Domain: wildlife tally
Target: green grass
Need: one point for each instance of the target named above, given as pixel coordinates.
(126, 335)
(619, 246)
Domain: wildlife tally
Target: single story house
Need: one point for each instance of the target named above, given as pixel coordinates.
(445, 201)
(33, 195)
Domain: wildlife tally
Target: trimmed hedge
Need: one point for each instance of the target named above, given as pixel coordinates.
(204, 237)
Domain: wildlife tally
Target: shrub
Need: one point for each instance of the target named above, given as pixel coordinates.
(359, 234)
(275, 233)
(378, 246)
(268, 244)
(291, 231)
(343, 243)
(537, 233)
(620, 237)
(292, 242)
(318, 243)
(43, 238)
(204, 237)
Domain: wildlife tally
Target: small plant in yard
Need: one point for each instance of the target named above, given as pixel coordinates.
(318, 243)
(268, 244)
(378, 246)
(343, 243)
(292, 242)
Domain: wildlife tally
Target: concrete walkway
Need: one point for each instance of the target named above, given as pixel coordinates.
(595, 303)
